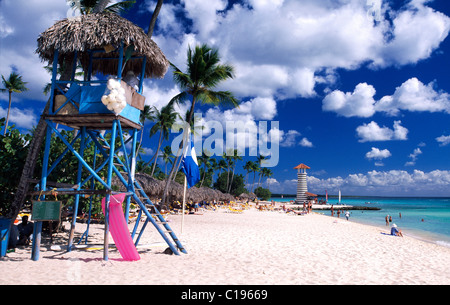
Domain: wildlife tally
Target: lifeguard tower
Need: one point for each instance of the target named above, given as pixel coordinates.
(106, 46)
(302, 187)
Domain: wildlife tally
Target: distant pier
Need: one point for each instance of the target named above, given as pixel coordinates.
(335, 207)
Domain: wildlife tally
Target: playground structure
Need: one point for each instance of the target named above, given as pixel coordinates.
(105, 45)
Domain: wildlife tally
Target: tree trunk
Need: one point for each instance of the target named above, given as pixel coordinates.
(32, 156)
(7, 115)
(232, 178)
(30, 163)
(166, 188)
(157, 151)
(151, 26)
(177, 163)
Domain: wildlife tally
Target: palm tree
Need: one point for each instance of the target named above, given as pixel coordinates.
(229, 162)
(221, 165)
(266, 172)
(247, 167)
(235, 157)
(13, 84)
(213, 166)
(167, 157)
(254, 168)
(204, 73)
(154, 16)
(164, 121)
(260, 160)
(205, 161)
(96, 6)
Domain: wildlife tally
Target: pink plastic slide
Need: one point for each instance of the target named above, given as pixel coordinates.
(119, 229)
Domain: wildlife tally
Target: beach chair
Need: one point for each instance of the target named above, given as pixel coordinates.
(233, 210)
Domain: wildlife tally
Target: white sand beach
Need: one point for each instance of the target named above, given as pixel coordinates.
(254, 247)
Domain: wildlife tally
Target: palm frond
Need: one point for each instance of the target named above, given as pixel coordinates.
(179, 98)
(120, 7)
(216, 98)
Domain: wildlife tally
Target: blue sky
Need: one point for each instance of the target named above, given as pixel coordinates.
(360, 88)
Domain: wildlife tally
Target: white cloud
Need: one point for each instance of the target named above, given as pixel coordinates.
(306, 143)
(359, 103)
(261, 108)
(159, 96)
(284, 48)
(383, 183)
(443, 140)
(204, 15)
(21, 22)
(378, 154)
(412, 95)
(289, 139)
(413, 157)
(22, 118)
(417, 31)
(373, 132)
(147, 151)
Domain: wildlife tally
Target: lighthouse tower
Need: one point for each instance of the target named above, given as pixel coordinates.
(302, 187)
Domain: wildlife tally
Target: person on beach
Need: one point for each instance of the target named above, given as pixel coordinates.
(347, 214)
(395, 231)
(332, 210)
(25, 229)
(387, 219)
(338, 213)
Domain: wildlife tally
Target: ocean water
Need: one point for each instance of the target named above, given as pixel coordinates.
(424, 218)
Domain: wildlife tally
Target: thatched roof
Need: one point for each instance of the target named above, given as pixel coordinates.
(154, 189)
(96, 31)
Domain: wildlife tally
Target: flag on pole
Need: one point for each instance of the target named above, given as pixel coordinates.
(189, 164)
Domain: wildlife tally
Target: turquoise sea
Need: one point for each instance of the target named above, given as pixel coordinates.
(435, 213)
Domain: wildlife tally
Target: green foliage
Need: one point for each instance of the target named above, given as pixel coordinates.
(13, 152)
(262, 193)
(237, 186)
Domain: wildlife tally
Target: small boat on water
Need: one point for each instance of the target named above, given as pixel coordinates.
(370, 202)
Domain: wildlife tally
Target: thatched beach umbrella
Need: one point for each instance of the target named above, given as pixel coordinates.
(252, 196)
(107, 31)
(154, 188)
(243, 196)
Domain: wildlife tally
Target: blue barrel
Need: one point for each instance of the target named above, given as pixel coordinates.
(5, 224)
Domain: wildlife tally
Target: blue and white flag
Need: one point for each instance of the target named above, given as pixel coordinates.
(189, 164)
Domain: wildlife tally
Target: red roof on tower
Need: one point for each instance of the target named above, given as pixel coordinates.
(302, 166)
